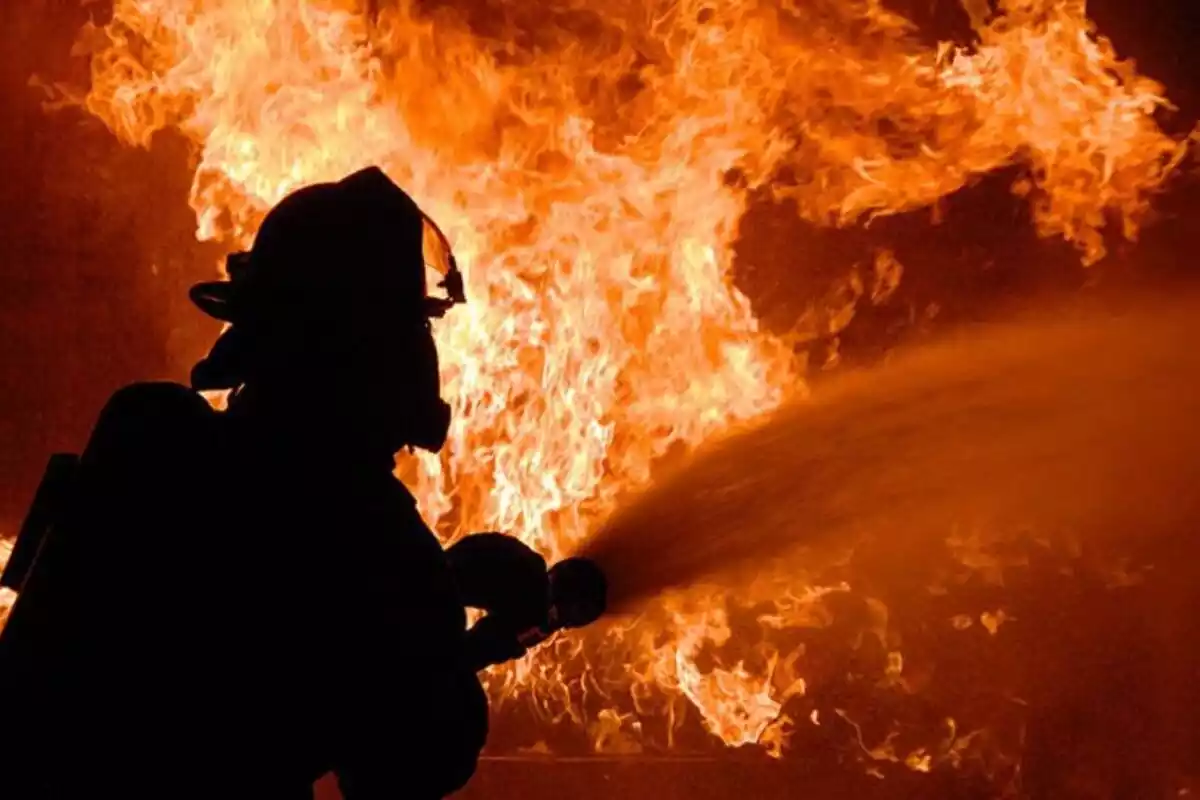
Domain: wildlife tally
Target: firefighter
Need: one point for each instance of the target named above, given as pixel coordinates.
(235, 603)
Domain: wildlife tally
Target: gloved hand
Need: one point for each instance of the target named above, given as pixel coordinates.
(503, 576)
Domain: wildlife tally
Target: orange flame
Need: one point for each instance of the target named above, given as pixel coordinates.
(591, 166)
(7, 596)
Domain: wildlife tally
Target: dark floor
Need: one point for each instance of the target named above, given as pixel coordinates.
(674, 780)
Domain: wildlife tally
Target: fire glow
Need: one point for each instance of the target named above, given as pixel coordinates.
(591, 167)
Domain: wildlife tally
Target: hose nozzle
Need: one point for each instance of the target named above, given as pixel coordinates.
(578, 592)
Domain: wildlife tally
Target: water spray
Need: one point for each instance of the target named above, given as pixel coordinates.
(1081, 422)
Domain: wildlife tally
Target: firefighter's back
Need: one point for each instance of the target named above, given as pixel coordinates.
(109, 621)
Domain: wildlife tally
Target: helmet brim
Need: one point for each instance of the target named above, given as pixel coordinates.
(214, 298)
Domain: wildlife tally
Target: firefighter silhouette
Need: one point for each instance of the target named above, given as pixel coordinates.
(234, 603)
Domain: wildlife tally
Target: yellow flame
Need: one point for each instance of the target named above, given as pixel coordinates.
(7, 596)
(590, 166)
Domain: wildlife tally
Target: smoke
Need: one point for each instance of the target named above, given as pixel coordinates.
(1087, 420)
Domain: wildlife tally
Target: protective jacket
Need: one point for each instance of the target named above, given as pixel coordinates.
(218, 610)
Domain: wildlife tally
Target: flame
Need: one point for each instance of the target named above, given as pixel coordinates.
(591, 166)
(7, 596)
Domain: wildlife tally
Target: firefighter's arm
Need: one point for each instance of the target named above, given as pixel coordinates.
(493, 640)
(500, 575)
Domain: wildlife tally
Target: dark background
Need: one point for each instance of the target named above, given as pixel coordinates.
(97, 251)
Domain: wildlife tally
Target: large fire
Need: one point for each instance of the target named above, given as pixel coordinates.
(590, 164)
